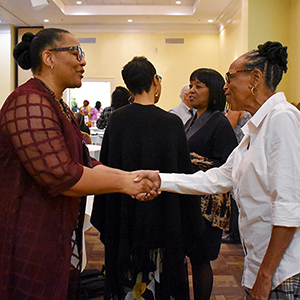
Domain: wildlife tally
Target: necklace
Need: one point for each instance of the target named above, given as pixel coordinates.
(64, 107)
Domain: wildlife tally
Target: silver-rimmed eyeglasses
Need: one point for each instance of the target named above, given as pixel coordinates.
(159, 78)
(229, 74)
(80, 53)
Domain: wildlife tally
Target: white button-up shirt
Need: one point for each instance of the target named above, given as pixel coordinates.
(264, 173)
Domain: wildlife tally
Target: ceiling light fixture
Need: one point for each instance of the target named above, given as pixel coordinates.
(178, 2)
(129, 20)
(78, 2)
(210, 21)
(46, 20)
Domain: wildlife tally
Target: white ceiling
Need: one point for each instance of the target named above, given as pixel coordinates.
(157, 16)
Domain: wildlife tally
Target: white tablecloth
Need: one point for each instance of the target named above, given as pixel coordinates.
(94, 150)
(96, 135)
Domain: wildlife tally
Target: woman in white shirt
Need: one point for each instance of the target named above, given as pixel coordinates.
(264, 173)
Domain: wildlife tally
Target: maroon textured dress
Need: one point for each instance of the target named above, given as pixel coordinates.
(41, 156)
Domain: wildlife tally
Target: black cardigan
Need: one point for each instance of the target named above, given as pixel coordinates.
(147, 137)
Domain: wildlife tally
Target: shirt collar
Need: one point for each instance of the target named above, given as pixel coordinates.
(261, 113)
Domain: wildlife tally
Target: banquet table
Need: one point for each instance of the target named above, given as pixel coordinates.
(96, 135)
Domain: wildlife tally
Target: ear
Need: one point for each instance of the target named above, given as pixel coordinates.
(47, 58)
(256, 77)
(155, 81)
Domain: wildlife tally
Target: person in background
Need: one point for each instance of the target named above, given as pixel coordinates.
(146, 244)
(46, 172)
(96, 111)
(85, 109)
(237, 120)
(264, 173)
(184, 110)
(75, 108)
(119, 97)
(211, 139)
(82, 126)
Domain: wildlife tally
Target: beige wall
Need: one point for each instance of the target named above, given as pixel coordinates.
(294, 53)
(174, 63)
(270, 20)
(233, 39)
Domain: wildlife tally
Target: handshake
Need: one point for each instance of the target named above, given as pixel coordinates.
(147, 184)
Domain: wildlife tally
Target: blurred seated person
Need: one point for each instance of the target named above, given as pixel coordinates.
(119, 98)
(80, 119)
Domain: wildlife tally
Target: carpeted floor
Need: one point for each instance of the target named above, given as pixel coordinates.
(227, 268)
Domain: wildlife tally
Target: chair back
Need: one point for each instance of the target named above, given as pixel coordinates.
(86, 137)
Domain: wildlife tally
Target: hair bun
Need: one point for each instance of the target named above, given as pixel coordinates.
(275, 53)
(21, 51)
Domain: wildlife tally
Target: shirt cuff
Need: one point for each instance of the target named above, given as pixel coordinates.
(167, 182)
(286, 214)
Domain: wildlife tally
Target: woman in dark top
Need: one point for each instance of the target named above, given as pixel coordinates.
(45, 170)
(211, 139)
(146, 243)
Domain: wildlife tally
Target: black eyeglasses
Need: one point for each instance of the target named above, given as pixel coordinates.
(159, 78)
(229, 74)
(80, 53)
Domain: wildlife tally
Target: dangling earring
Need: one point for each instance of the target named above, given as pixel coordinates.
(131, 99)
(254, 91)
(52, 67)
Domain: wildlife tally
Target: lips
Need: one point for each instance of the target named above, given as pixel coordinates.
(81, 73)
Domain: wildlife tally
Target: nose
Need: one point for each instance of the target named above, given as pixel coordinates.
(82, 61)
(225, 87)
(191, 90)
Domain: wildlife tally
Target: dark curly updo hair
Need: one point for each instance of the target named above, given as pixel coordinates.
(28, 52)
(138, 75)
(271, 59)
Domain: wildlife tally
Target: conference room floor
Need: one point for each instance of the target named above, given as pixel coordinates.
(228, 268)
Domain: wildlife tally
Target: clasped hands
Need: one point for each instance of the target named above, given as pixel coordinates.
(153, 182)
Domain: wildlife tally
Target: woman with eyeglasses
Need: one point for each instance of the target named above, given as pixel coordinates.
(264, 172)
(145, 245)
(45, 171)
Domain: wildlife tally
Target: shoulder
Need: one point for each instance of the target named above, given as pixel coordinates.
(176, 108)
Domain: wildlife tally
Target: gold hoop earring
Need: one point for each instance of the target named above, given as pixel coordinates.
(254, 91)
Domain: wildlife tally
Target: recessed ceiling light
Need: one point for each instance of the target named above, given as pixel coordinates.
(210, 21)
(129, 20)
(46, 20)
(78, 2)
(178, 2)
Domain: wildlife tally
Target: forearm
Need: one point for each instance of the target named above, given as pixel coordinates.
(280, 239)
(211, 182)
(99, 180)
